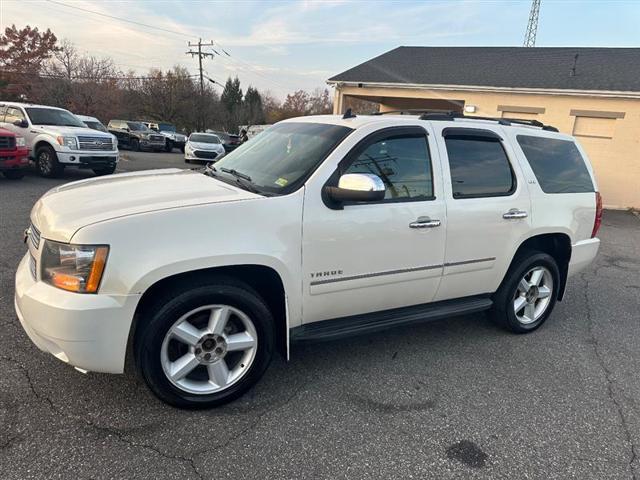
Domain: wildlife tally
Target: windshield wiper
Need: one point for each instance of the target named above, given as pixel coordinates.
(236, 173)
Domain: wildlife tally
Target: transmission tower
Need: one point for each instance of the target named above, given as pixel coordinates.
(532, 26)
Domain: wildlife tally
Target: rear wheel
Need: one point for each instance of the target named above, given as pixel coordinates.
(528, 293)
(13, 174)
(206, 345)
(47, 162)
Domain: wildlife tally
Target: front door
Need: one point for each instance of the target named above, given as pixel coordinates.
(369, 257)
(488, 208)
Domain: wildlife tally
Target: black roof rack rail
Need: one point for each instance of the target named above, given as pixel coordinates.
(410, 111)
(452, 115)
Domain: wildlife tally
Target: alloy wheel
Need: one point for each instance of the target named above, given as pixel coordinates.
(533, 295)
(45, 162)
(209, 349)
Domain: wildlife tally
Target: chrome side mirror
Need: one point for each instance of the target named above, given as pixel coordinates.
(357, 187)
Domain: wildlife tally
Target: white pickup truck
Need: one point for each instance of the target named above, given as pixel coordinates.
(56, 139)
(321, 227)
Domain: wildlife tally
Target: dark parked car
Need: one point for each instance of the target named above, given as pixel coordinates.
(136, 136)
(229, 141)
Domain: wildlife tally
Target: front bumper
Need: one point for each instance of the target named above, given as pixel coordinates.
(583, 253)
(88, 159)
(84, 330)
(200, 157)
(14, 159)
(152, 145)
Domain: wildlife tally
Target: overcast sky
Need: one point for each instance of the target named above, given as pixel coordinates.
(282, 46)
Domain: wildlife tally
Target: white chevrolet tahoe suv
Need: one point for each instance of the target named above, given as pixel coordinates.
(321, 227)
(56, 139)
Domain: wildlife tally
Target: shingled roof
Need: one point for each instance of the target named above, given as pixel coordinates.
(610, 69)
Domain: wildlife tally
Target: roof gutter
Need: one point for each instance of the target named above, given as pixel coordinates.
(484, 88)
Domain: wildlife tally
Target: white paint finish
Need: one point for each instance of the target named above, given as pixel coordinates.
(166, 222)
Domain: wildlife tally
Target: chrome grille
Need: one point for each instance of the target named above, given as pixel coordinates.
(34, 236)
(156, 138)
(7, 143)
(33, 266)
(95, 143)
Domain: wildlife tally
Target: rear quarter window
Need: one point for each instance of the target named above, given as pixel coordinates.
(557, 164)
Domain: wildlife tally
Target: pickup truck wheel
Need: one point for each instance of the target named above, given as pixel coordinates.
(135, 145)
(47, 162)
(206, 345)
(528, 293)
(13, 174)
(168, 146)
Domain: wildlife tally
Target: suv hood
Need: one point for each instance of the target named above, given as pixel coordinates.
(67, 208)
(70, 131)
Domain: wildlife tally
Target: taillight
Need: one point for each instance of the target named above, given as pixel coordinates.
(598, 220)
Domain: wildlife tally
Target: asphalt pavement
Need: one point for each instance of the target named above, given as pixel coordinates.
(459, 398)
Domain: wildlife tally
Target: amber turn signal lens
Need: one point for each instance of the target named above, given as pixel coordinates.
(95, 275)
(65, 281)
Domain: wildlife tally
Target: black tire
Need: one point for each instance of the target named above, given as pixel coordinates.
(186, 160)
(503, 311)
(13, 174)
(47, 162)
(171, 305)
(135, 145)
(104, 171)
(168, 146)
(182, 148)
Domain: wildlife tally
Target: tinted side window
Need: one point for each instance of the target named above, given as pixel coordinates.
(557, 164)
(479, 167)
(402, 163)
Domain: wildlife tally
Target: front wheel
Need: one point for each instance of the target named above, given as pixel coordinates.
(528, 293)
(207, 344)
(47, 162)
(168, 146)
(135, 145)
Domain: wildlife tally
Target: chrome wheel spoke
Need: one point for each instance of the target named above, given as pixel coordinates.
(186, 333)
(536, 276)
(183, 366)
(523, 286)
(519, 304)
(218, 372)
(544, 292)
(530, 312)
(240, 341)
(218, 319)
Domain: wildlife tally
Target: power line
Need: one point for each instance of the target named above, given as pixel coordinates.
(121, 19)
(97, 79)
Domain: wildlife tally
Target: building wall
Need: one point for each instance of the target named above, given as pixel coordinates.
(607, 127)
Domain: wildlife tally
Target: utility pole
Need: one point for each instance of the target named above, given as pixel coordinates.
(532, 25)
(200, 55)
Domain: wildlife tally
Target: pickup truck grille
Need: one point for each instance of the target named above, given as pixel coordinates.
(156, 138)
(7, 143)
(95, 143)
(205, 154)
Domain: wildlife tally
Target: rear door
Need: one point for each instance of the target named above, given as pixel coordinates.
(374, 256)
(488, 207)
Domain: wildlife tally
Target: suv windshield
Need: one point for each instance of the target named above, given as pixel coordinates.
(166, 127)
(203, 138)
(95, 125)
(281, 158)
(52, 116)
(137, 127)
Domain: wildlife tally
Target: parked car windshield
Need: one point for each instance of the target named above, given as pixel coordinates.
(137, 127)
(282, 157)
(53, 116)
(203, 138)
(166, 127)
(95, 125)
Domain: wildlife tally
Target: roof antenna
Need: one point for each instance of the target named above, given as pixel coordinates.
(575, 64)
(348, 114)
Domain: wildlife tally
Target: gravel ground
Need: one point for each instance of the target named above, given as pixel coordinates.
(453, 399)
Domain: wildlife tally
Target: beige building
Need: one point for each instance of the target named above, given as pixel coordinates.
(592, 93)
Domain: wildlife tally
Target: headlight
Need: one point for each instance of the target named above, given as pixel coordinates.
(145, 135)
(69, 142)
(76, 268)
(20, 142)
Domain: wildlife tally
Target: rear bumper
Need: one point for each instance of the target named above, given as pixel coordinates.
(583, 253)
(87, 331)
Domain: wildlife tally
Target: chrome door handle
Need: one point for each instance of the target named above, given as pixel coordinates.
(514, 213)
(424, 222)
